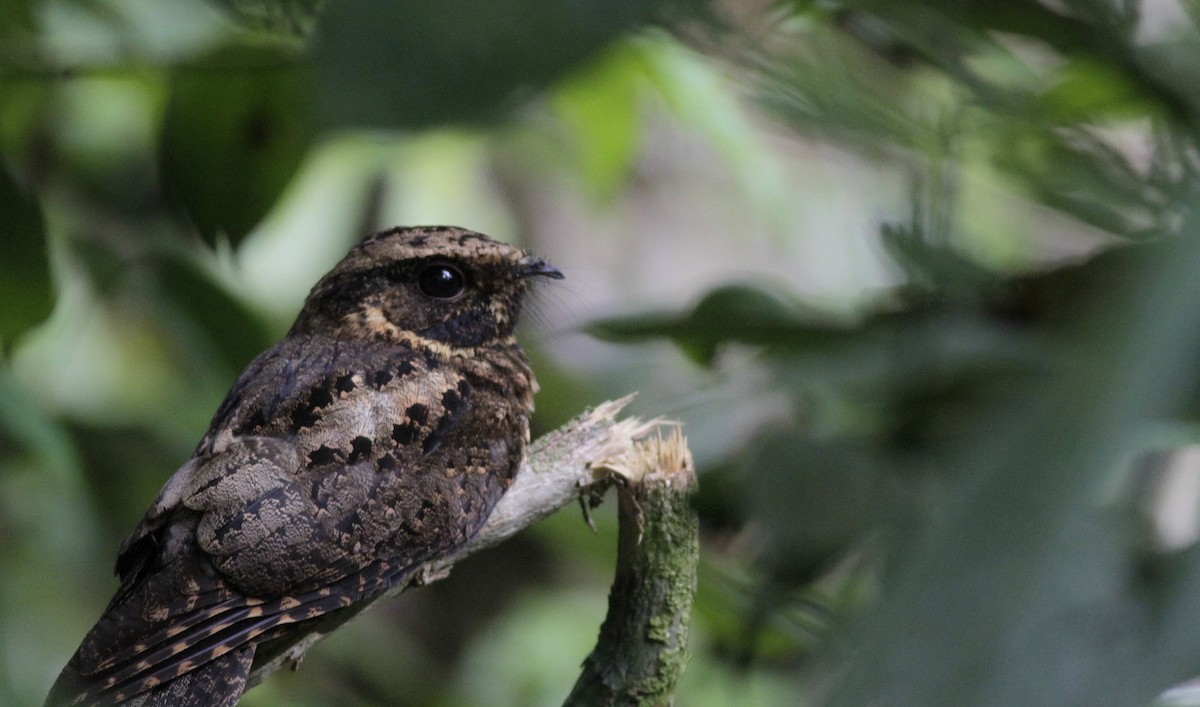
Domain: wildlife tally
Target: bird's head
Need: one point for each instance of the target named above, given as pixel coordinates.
(435, 286)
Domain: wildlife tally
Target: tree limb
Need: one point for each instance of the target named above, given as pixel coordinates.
(643, 642)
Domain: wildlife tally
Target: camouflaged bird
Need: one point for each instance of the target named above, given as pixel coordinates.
(377, 435)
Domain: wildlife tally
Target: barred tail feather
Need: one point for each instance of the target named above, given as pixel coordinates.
(218, 683)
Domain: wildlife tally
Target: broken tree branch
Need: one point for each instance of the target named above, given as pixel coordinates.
(643, 642)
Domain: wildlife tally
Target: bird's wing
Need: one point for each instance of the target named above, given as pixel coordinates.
(271, 532)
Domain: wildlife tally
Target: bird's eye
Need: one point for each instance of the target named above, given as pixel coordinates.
(441, 281)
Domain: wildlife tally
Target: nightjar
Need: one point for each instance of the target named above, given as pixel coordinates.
(377, 435)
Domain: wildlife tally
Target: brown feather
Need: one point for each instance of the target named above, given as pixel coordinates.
(377, 435)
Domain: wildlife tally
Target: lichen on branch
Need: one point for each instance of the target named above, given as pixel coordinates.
(642, 648)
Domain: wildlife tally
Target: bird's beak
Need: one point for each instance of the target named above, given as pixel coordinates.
(531, 266)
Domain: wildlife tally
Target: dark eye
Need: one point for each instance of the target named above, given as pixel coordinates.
(441, 281)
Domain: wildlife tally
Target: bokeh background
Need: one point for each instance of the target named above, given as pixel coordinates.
(922, 280)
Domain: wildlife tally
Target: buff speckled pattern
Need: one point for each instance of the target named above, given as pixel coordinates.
(377, 435)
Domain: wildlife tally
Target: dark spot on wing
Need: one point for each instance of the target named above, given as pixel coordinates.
(404, 434)
(344, 384)
(304, 417)
(418, 413)
(360, 448)
(451, 400)
(319, 398)
(322, 455)
(255, 423)
(454, 403)
(308, 415)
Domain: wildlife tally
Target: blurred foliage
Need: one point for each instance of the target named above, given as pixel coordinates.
(245, 118)
(462, 61)
(933, 494)
(25, 281)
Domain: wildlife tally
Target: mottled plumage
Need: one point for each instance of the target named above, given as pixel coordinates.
(377, 435)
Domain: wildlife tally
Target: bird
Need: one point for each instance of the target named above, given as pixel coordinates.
(378, 434)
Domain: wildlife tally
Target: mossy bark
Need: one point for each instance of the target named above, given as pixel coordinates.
(642, 647)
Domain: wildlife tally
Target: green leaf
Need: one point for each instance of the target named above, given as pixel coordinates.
(733, 313)
(237, 128)
(599, 107)
(425, 62)
(25, 285)
(1076, 174)
(1088, 89)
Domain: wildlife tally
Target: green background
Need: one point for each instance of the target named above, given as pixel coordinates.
(920, 278)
